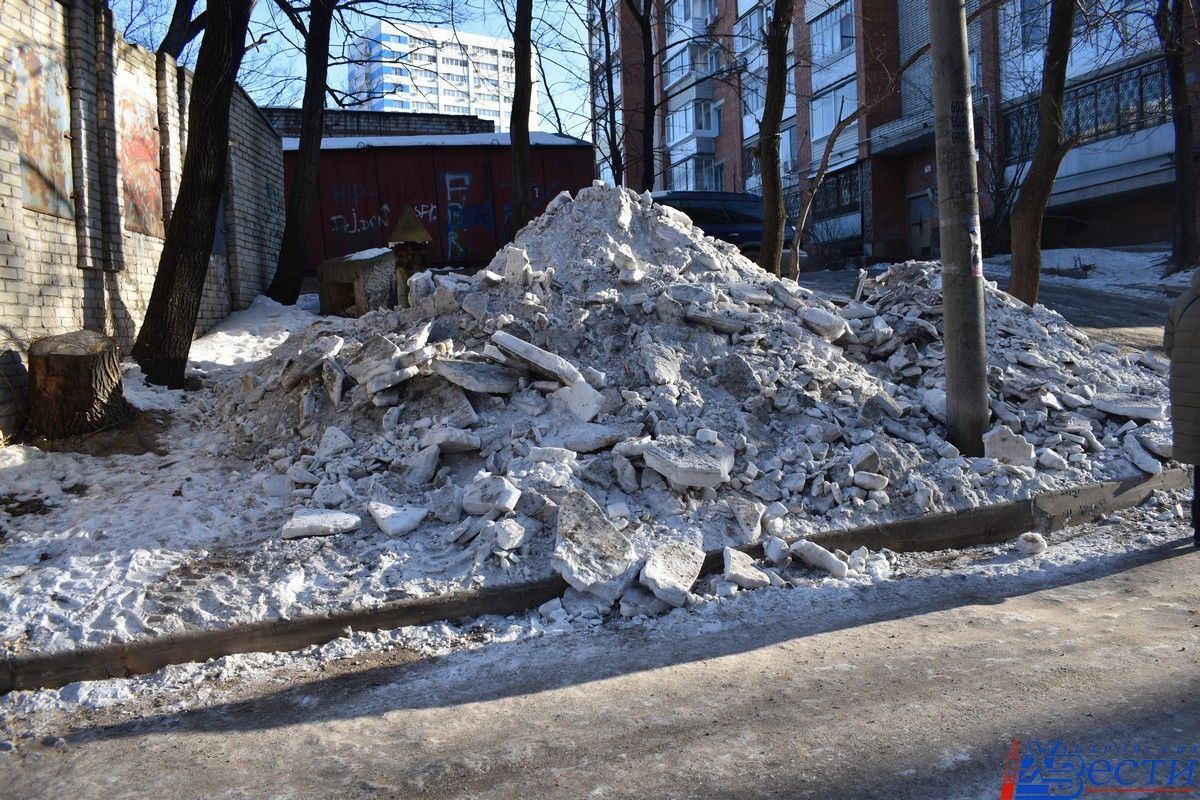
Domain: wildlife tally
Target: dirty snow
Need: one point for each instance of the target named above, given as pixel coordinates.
(1125, 271)
(1073, 553)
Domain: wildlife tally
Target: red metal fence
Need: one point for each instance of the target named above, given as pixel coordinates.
(462, 193)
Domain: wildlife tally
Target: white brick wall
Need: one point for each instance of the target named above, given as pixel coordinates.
(58, 275)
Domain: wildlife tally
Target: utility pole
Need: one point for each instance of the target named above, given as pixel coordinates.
(967, 410)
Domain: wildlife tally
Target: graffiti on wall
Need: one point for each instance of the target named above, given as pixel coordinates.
(460, 215)
(347, 196)
(44, 124)
(139, 154)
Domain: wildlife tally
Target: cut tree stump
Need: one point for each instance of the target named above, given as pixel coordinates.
(75, 385)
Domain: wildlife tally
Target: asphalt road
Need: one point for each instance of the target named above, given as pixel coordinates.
(1131, 320)
(893, 693)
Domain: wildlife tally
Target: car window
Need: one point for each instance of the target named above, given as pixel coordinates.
(744, 211)
(702, 212)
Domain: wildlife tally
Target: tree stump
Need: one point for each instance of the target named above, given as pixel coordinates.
(75, 385)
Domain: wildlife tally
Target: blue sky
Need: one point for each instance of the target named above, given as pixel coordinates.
(273, 71)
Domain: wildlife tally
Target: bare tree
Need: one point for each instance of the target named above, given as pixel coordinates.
(289, 274)
(774, 214)
(183, 28)
(1169, 24)
(604, 73)
(518, 126)
(642, 12)
(166, 335)
(1052, 145)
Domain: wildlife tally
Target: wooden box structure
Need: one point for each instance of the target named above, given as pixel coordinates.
(352, 285)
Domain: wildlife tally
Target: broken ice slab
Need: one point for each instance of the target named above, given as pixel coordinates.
(817, 556)
(671, 570)
(686, 462)
(589, 437)
(478, 377)
(722, 323)
(537, 359)
(451, 440)
(1129, 405)
(314, 522)
(740, 570)
(581, 400)
(396, 520)
(490, 493)
(1007, 447)
(589, 552)
(373, 357)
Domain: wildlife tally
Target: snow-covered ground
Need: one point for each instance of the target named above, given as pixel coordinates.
(920, 579)
(113, 526)
(1121, 271)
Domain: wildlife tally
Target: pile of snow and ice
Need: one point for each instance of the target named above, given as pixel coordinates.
(617, 393)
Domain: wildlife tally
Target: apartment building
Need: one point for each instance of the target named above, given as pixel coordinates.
(866, 61)
(420, 68)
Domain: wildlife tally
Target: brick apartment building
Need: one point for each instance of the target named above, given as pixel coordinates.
(878, 199)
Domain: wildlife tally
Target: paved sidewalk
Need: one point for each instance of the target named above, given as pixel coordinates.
(912, 689)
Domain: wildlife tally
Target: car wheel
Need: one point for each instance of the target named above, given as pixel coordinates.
(751, 253)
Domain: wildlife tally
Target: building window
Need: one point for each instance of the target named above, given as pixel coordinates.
(838, 194)
(1034, 23)
(751, 162)
(697, 173)
(754, 93)
(828, 108)
(679, 125)
(788, 151)
(749, 29)
(833, 32)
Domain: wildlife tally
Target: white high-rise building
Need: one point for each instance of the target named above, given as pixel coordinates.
(422, 68)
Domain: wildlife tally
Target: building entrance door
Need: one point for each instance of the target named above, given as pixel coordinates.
(920, 233)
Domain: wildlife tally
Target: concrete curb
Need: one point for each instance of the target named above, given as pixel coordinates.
(1048, 512)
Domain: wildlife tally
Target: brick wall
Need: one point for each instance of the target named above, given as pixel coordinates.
(105, 123)
(286, 122)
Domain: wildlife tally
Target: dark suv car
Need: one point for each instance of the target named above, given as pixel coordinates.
(734, 217)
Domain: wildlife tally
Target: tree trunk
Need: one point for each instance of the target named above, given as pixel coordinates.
(644, 16)
(182, 29)
(1185, 250)
(75, 385)
(1025, 224)
(166, 335)
(810, 192)
(774, 213)
(518, 125)
(616, 157)
(289, 269)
